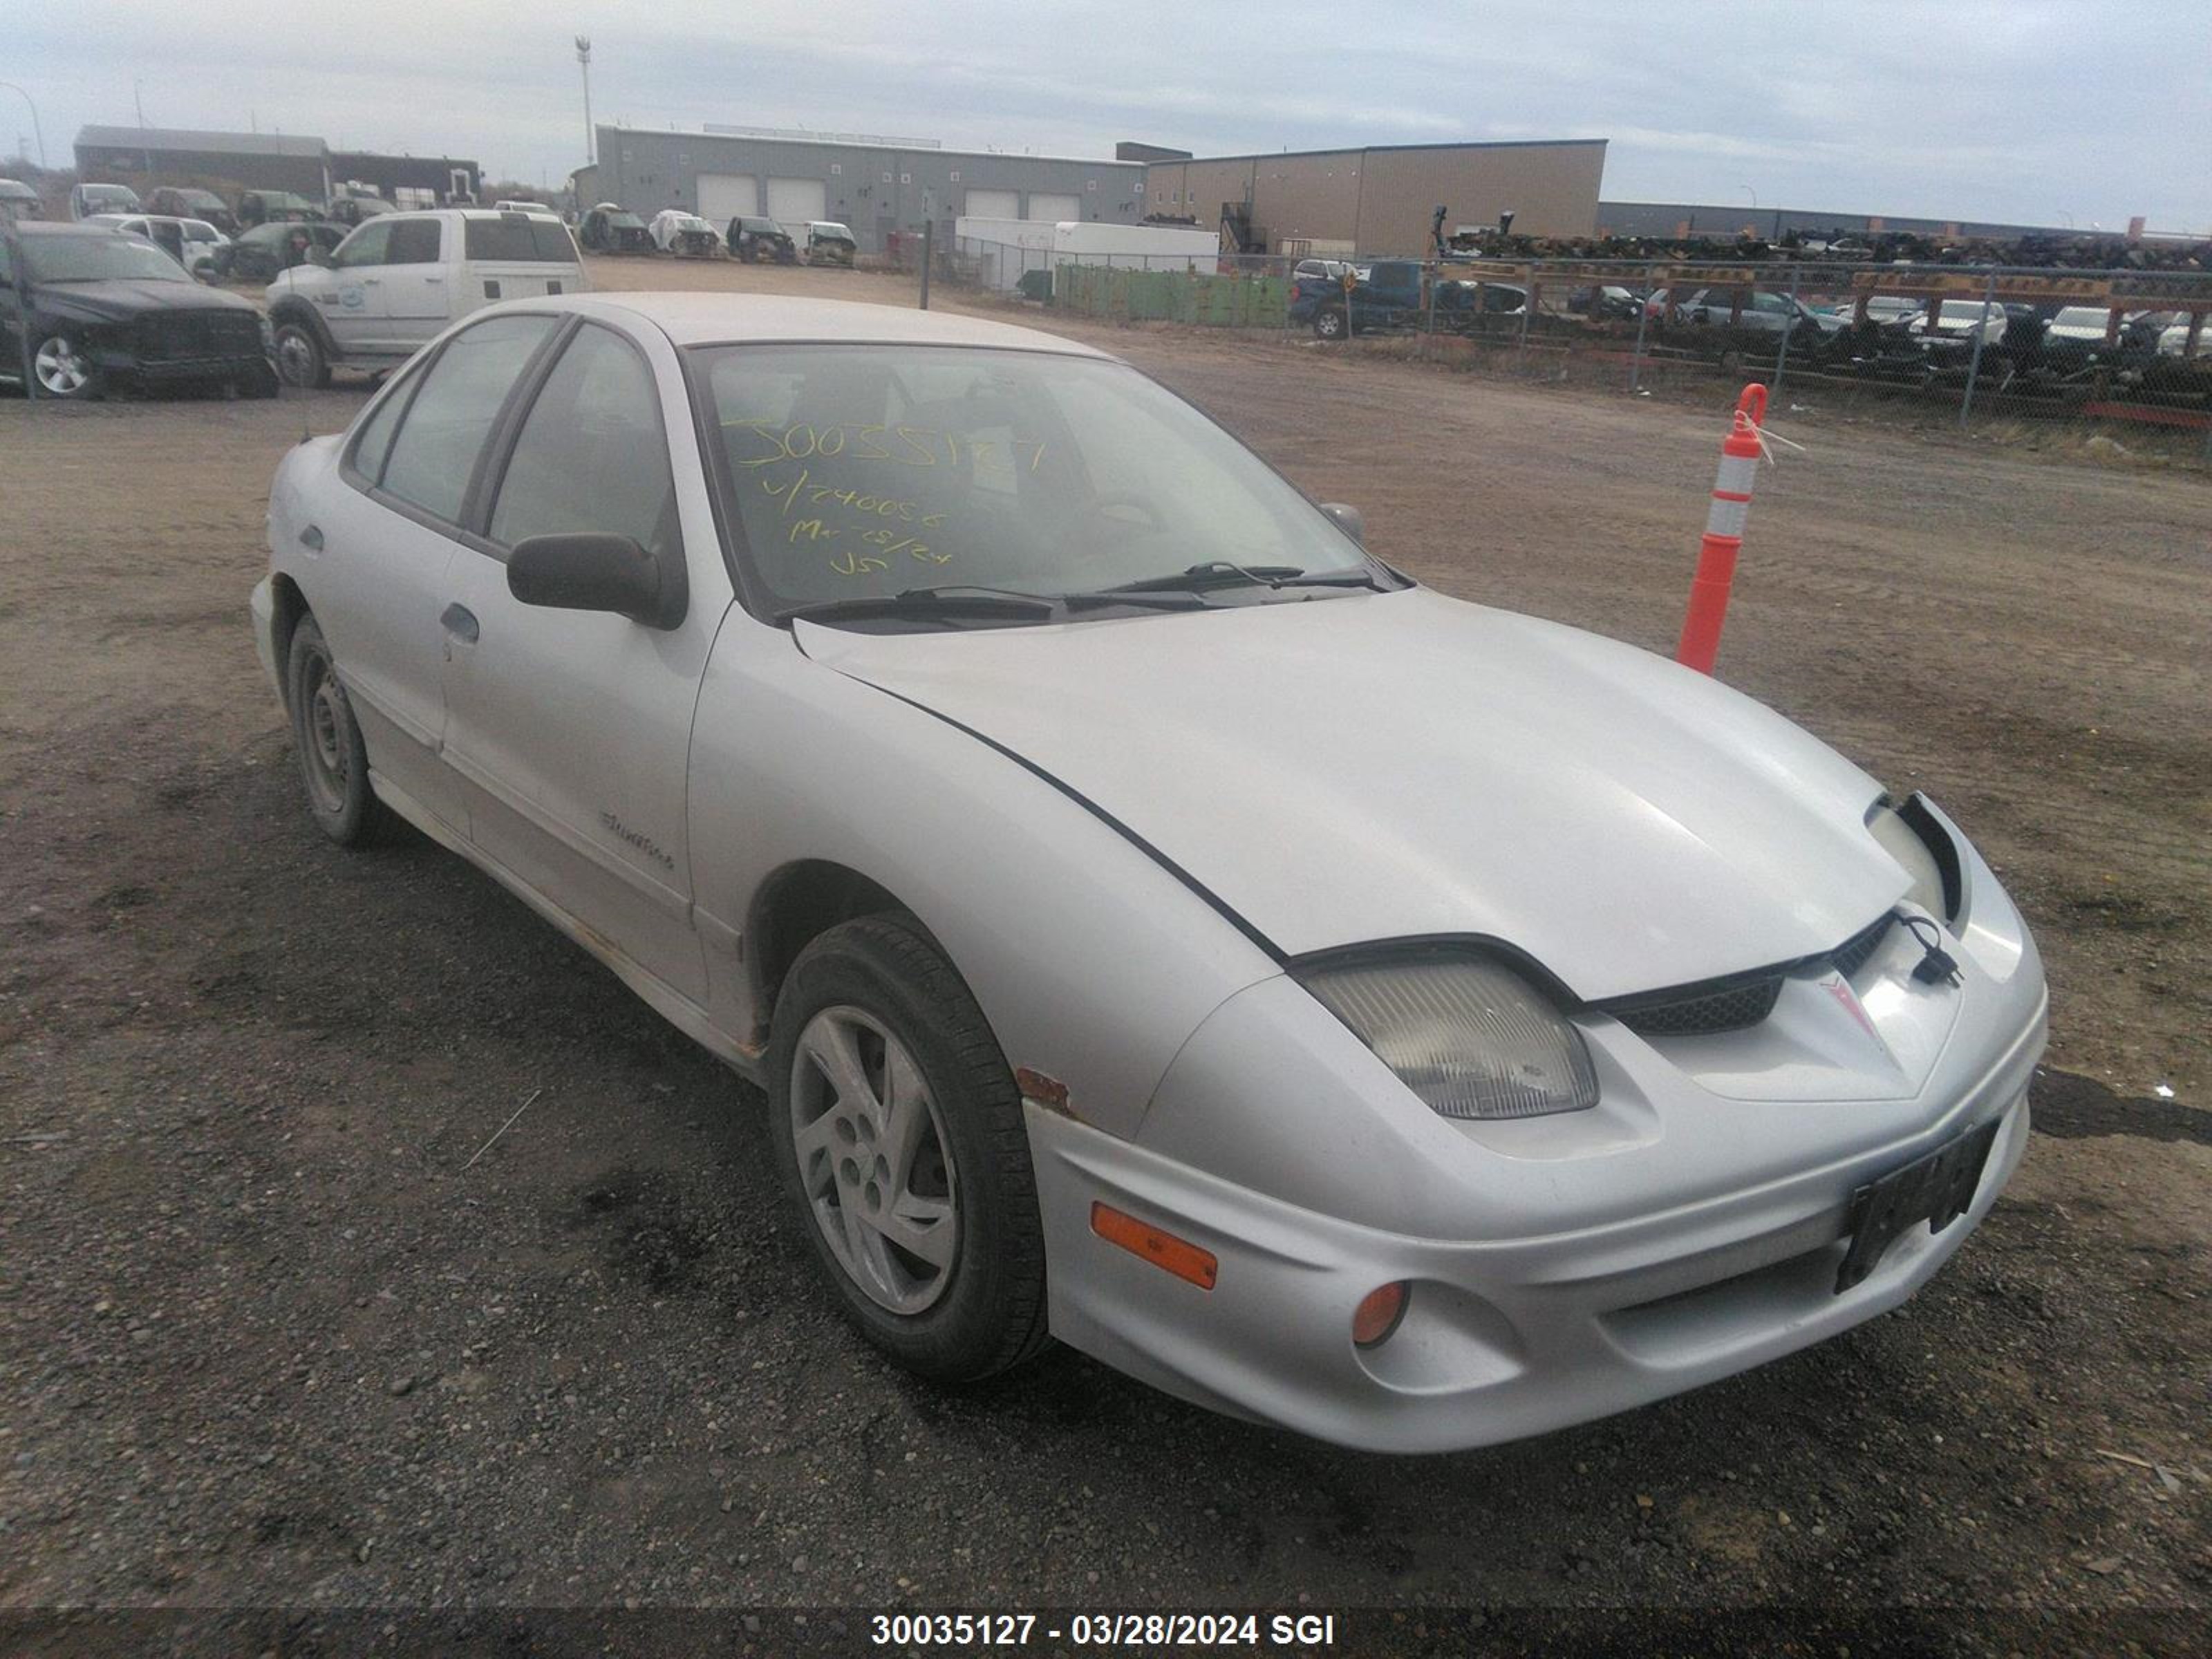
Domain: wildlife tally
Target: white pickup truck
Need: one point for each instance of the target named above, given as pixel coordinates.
(401, 278)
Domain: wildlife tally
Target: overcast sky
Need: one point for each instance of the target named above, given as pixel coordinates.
(2030, 111)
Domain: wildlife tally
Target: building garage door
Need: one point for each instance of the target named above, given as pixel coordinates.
(1053, 207)
(993, 204)
(794, 201)
(725, 196)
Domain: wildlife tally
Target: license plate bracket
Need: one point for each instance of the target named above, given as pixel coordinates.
(1935, 1188)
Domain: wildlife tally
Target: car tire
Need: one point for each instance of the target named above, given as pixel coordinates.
(1328, 325)
(326, 737)
(64, 370)
(943, 1148)
(300, 359)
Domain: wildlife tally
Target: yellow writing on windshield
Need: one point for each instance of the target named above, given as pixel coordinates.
(875, 526)
(899, 445)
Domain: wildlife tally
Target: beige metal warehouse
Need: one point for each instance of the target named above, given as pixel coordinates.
(1382, 199)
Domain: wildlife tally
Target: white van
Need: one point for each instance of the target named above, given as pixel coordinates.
(400, 278)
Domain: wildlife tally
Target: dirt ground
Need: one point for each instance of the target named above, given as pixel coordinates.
(265, 1339)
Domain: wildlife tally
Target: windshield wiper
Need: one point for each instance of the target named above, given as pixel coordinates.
(1214, 573)
(927, 601)
(1221, 572)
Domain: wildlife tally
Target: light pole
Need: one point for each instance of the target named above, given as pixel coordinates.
(35, 133)
(584, 60)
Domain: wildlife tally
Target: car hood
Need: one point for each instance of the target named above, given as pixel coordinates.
(1401, 765)
(119, 300)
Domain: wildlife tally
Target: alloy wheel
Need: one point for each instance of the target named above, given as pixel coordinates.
(874, 1160)
(63, 371)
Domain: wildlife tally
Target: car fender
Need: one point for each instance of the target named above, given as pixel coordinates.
(1092, 960)
(292, 308)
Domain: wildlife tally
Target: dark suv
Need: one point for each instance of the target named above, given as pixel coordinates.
(178, 202)
(92, 308)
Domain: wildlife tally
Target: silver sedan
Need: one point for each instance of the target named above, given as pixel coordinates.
(1156, 922)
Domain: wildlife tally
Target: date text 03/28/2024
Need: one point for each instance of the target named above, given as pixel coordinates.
(1105, 1630)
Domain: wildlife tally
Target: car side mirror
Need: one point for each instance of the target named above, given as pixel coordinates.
(594, 572)
(1349, 519)
(317, 256)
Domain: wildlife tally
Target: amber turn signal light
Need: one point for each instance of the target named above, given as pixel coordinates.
(1378, 1313)
(1183, 1259)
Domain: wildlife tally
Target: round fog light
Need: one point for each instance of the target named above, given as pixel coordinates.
(1378, 1314)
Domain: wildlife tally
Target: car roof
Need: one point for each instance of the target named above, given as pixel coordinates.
(711, 318)
(55, 228)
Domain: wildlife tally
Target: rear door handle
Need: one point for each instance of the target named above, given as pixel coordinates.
(311, 538)
(461, 622)
(434, 279)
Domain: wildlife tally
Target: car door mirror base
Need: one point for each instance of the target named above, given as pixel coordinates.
(592, 571)
(1350, 519)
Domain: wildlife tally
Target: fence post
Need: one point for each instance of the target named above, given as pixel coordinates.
(1643, 320)
(1429, 344)
(926, 227)
(1527, 305)
(1782, 355)
(1974, 363)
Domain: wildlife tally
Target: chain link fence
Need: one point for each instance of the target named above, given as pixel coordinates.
(2034, 355)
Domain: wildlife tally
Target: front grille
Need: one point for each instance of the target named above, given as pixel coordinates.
(185, 336)
(1738, 1003)
(1731, 1006)
(1851, 956)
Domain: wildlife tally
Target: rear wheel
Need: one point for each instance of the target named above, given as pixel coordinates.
(1328, 325)
(300, 358)
(899, 1130)
(333, 760)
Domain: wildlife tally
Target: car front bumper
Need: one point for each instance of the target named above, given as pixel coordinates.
(1503, 1337)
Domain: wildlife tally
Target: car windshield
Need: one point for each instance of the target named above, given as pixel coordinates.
(865, 472)
(833, 233)
(97, 258)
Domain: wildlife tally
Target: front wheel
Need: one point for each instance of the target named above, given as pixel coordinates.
(301, 359)
(64, 368)
(899, 1132)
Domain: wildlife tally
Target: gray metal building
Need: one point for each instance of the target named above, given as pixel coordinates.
(1722, 219)
(256, 160)
(875, 188)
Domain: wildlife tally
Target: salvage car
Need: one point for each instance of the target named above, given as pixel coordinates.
(351, 209)
(675, 231)
(828, 243)
(276, 207)
(260, 254)
(19, 201)
(179, 201)
(1527, 1028)
(192, 243)
(94, 310)
(609, 229)
(752, 239)
(87, 199)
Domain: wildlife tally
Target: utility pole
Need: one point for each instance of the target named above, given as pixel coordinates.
(138, 103)
(11, 86)
(584, 60)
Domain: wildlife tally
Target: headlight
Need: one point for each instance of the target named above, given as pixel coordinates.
(1469, 1035)
(268, 337)
(1904, 835)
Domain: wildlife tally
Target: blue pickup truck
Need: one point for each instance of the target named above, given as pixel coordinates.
(1387, 296)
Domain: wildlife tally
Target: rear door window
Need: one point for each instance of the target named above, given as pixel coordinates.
(520, 238)
(446, 427)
